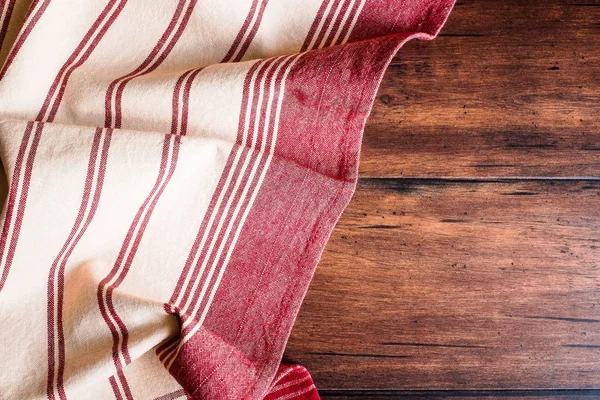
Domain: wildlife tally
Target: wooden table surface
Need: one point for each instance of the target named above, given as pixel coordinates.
(468, 263)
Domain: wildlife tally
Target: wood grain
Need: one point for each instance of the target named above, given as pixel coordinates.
(468, 264)
(509, 88)
(461, 395)
(439, 284)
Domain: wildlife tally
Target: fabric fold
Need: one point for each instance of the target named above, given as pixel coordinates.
(174, 171)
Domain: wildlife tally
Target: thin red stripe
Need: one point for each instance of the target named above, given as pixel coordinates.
(115, 388)
(241, 33)
(262, 159)
(186, 102)
(151, 56)
(267, 74)
(12, 194)
(336, 25)
(328, 22)
(6, 22)
(173, 395)
(348, 24)
(229, 189)
(220, 187)
(314, 26)
(89, 51)
(55, 264)
(165, 345)
(183, 23)
(175, 102)
(117, 266)
(26, 31)
(70, 61)
(252, 33)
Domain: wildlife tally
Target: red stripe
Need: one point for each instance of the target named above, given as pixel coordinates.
(244, 179)
(165, 345)
(12, 194)
(329, 41)
(185, 80)
(88, 52)
(348, 24)
(123, 380)
(174, 395)
(138, 72)
(186, 102)
(241, 33)
(220, 186)
(228, 189)
(55, 264)
(70, 63)
(22, 199)
(118, 263)
(175, 102)
(314, 26)
(252, 33)
(151, 56)
(32, 19)
(7, 18)
(328, 22)
(115, 388)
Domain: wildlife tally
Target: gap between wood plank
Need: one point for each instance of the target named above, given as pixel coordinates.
(472, 393)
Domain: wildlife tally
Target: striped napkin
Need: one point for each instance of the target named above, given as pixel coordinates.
(174, 169)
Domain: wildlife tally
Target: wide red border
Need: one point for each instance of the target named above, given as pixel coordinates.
(328, 97)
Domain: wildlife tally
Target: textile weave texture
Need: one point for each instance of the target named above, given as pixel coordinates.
(173, 171)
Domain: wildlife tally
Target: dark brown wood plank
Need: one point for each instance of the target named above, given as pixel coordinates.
(460, 395)
(440, 284)
(510, 88)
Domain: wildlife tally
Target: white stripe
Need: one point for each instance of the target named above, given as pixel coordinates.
(13, 218)
(121, 80)
(320, 27)
(249, 182)
(241, 199)
(335, 16)
(297, 393)
(248, 30)
(184, 307)
(250, 204)
(86, 46)
(351, 28)
(120, 385)
(4, 15)
(69, 248)
(179, 95)
(288, 384)
(342, 23)
(129, 247)
(169, 347)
